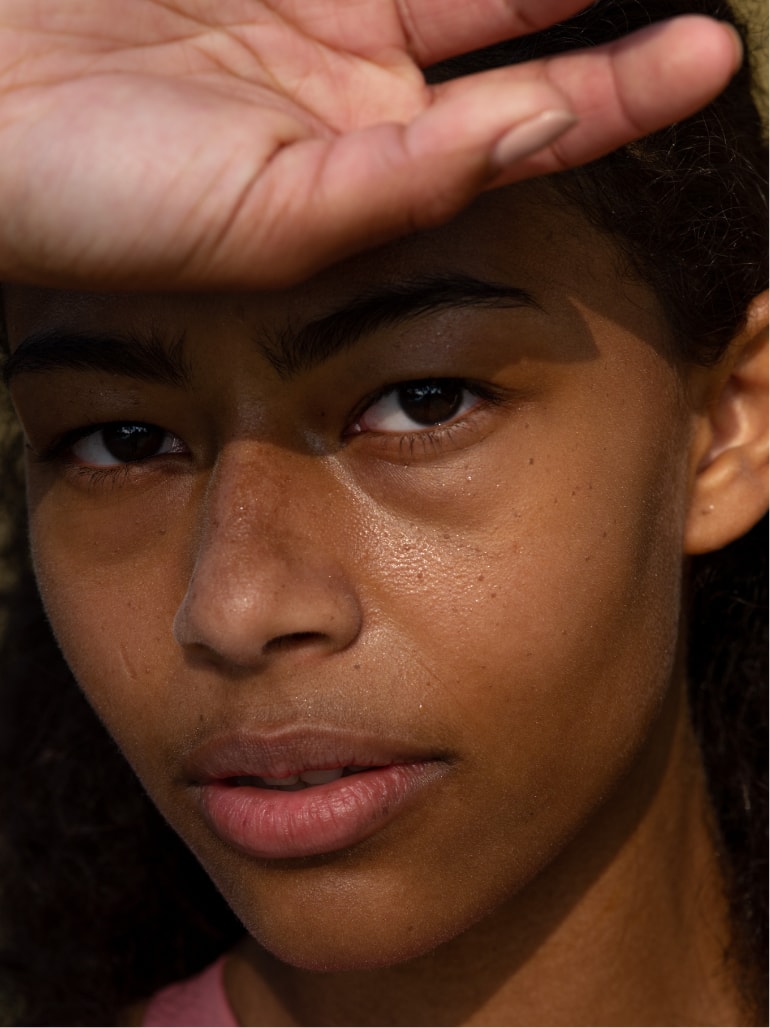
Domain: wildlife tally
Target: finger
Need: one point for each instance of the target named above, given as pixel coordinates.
(627, 89)
(322, 200)
(437, 29)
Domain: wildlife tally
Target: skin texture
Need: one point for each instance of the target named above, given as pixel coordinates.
(500, 595)
(249, 144)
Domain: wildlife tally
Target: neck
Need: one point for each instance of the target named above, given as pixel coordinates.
(629, 925)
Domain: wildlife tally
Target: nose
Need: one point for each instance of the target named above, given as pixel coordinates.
(267, 578)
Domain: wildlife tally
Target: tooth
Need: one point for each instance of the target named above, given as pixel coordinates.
(321, 777)
(288, 780)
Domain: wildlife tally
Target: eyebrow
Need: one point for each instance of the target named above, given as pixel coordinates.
(147, 358)
(290, 352)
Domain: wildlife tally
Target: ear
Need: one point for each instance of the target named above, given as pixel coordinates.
(729, 476)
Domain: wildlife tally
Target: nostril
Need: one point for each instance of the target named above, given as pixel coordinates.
(294, 640)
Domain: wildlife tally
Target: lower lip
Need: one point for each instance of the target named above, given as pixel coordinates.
(274, 825)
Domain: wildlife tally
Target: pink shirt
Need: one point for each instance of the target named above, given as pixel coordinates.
(200, 1000)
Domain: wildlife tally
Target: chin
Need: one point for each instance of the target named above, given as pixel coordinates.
(364, 929)
(345, 950)
(330, 923)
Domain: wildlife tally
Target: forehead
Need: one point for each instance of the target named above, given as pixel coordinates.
(525, 236)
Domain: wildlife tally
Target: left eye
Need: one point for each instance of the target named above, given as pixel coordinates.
(123, 443)
(418, 405)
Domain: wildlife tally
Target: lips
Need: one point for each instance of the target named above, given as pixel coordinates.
(301, 794)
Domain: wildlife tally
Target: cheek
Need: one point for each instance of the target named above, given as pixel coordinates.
(110, 583)
(547, 559)
(543, 615)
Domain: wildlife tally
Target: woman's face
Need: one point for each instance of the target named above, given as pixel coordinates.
(417, 521)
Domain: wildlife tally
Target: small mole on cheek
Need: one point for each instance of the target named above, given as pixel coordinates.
(531, 460)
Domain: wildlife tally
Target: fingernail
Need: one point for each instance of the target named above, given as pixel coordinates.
(531, 135)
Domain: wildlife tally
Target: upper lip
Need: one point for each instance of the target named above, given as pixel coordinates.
(278, 753)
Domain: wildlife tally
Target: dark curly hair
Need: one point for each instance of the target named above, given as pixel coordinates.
(101, 903)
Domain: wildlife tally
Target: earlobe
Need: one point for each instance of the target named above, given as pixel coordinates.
(729, 482)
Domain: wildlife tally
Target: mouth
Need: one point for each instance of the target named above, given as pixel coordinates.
(301, 780)
(292, 795)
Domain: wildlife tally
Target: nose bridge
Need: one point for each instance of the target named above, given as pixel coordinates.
(251, 501)
(266, 574)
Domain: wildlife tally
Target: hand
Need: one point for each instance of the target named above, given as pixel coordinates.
(245, 144)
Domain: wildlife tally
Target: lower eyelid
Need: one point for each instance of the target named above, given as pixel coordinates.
(430, 443)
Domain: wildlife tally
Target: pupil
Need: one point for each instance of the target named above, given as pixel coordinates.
(132, 442)
(431, 402)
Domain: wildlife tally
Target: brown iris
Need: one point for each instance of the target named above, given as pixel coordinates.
(131, 442)
(432, 401)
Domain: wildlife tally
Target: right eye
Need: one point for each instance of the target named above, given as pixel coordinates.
(123, 442)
